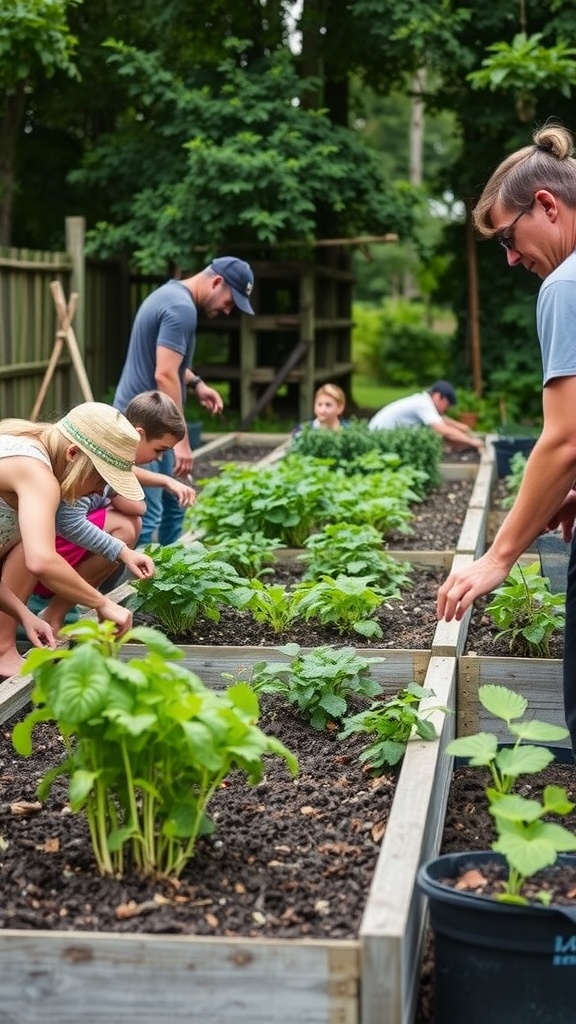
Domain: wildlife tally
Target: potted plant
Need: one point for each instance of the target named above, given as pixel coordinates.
(505, 942)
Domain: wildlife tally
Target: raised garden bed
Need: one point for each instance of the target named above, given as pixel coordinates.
(363, 979)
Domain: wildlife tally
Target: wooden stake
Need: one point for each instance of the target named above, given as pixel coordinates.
(64, 333)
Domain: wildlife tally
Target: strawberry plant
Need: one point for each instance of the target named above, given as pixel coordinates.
(189, 580)
(146, 744)
(392, 722)
(526, 612)
(319, 682)
(250, 554)
(354, 550)
(273, 605)
(347, 602)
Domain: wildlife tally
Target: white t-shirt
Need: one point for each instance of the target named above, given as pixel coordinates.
(414, 411)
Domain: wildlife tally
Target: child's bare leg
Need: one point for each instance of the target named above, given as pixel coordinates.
(21, 582)
(94, 568)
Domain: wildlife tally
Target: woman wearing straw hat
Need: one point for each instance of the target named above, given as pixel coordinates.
(40, 465)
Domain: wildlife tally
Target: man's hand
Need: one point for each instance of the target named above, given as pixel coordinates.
(462, 588)
(209, 398)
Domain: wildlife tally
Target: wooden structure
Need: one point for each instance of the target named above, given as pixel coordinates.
(299, 337)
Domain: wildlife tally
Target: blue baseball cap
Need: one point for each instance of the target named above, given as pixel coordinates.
(238, 275)
(444, 388)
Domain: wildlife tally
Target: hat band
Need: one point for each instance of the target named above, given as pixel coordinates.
(86, 442)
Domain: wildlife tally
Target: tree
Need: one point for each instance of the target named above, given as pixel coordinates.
(35, 43)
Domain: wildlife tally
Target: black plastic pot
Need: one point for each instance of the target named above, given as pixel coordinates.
(506, 447)
(497, 963)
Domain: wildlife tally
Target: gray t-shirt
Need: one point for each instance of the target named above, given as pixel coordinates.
(167, 317)
(414, 411)
(556, 321)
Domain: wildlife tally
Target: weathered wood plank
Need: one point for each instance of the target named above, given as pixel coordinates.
(472, 537)
(450, 637)
(52, 977)
(392, 929)
(537, 679)
(398, 668)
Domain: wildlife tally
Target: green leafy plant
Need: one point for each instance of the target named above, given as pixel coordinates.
(355, 550)
(514, 479)
(189, 580)
(273, 605)
(146, 744)
(392, 723)
(526, 612)
(526, 838)
(318, 682)
(346, 602)
(250, 554)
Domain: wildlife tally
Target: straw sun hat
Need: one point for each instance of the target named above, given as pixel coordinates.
(109, 441)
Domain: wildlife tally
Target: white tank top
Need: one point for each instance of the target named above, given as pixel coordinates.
(12, 445)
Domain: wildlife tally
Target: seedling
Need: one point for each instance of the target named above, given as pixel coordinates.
(526, 841)
(392, 722)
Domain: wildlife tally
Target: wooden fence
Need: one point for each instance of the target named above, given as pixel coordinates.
(108, 298)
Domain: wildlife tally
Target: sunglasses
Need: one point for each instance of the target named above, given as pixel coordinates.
(505, 237)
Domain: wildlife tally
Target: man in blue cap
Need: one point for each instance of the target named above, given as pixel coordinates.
(427, 409)
(160, 354)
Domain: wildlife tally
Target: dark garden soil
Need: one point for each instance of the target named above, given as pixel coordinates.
(406, 622)
(290, 857)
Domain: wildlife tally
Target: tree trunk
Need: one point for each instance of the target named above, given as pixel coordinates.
(11, 117)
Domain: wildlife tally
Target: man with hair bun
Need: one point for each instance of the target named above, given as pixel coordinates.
(528, 206)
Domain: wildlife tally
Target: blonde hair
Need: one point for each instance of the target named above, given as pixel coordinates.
(333, 391)
(70, 473)
(548, 163)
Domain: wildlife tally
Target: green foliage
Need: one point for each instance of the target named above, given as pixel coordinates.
(250, 554)
(525, 67)
(146, 744)
(189, 581)
(355, 550)
(35, 36)
(392, 722)
(241, 160)
(526, 612)
(396, 345)
(416, 447)
(286, 501)
(272, 605)
(514, 479)
(346, 602)
(298, 495)
(525, 837)
(319, 682)
(486, 407)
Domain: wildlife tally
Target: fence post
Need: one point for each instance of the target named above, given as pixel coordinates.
(75, 234)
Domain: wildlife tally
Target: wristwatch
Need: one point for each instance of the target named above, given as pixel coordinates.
(194, 382)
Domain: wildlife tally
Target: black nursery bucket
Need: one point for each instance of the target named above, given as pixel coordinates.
(498, 963)
(506, 448)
